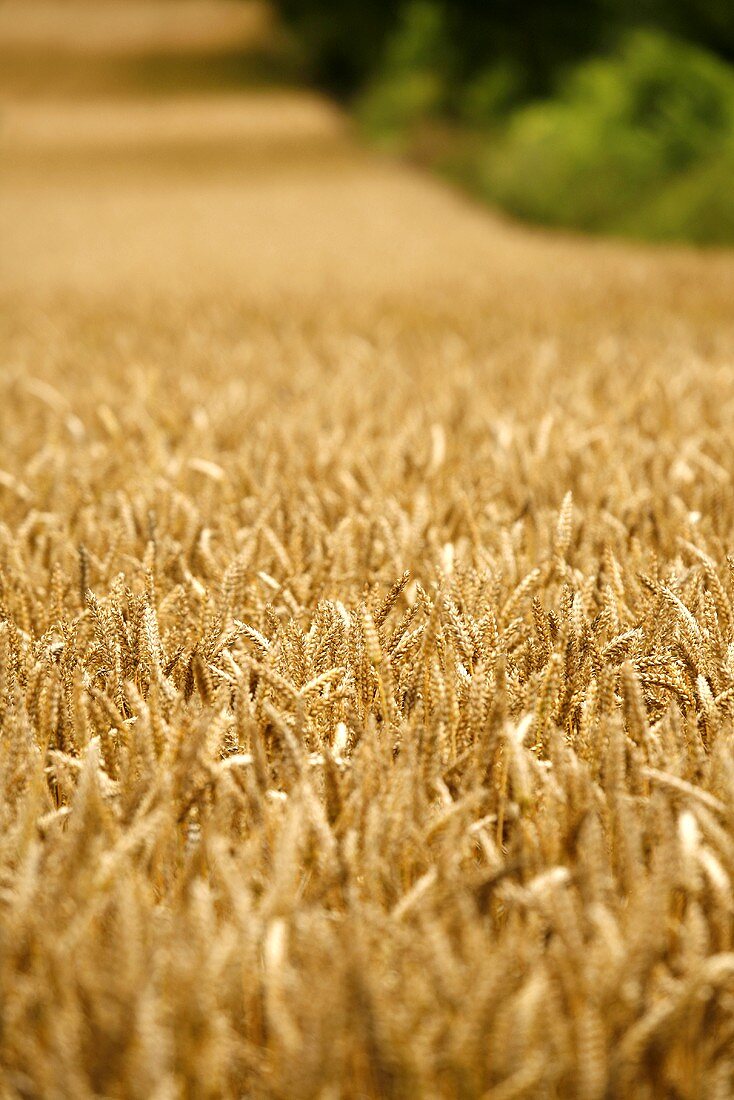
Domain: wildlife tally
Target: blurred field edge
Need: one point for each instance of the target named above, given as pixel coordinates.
(79, 48)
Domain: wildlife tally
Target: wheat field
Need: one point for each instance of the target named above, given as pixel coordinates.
(366, 628)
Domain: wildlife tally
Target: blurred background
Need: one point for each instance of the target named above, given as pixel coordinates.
(612, 116)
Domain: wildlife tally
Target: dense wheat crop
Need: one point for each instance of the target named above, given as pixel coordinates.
(366, 644)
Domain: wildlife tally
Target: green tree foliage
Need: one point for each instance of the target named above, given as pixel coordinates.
(416, 77)
(612, 115)
(638, 142)
(345, 42)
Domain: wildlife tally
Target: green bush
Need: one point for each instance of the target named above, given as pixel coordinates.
(695, 206)
(415, 76)
(639, 140)
(490, 94)
(632, 143)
